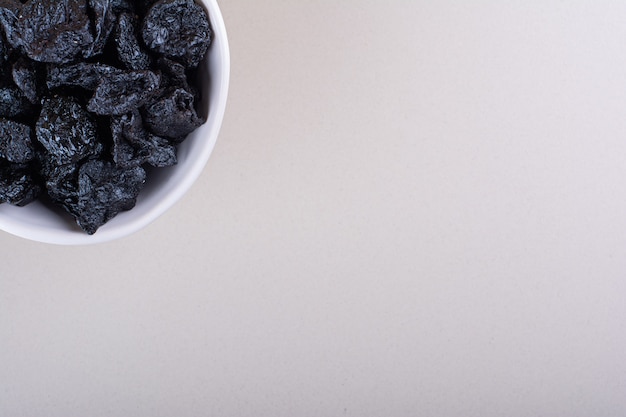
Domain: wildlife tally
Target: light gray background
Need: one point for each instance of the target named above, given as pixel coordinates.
(413, 209)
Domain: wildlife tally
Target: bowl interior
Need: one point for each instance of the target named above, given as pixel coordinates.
(164, 186)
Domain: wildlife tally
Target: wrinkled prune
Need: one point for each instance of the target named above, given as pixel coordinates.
(119, 94)
(9, 7)
(17, 184)
(84, 74)
(178, 29)
(91, 93)
(104, 190)
(16, 144)
(173, 115)
(27, 79)
(129, 51)
(133, 145)
(104, 21)
(49, 30)
(124, 154)
(61, 184)
(161, 153)
(67, 131)
(175, 74)
(125, 129)
(13, 103)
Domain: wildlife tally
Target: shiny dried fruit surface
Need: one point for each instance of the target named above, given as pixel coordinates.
(178, 29)
(134, 146)
(13, 103)
(61, 184)
(119, 94)
(67, 131)
(103, 23)
(28, 79)
(16, 143)
(18, 186)
(86, 75)
(49, 30)
(104, 190)
(173, 115)
(92, 92)
(130, 50)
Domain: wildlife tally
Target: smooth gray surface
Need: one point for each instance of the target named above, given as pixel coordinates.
(414, 209)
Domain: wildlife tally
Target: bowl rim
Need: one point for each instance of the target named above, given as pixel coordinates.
(34, 232)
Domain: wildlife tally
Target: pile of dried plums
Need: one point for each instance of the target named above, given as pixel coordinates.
(92, 92)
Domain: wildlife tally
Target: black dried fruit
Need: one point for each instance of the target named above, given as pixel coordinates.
(103, 22)
(134, 146)
(13, 103)
(84, 74)
(161, 153)
(175, 75)
(125, 130)
(16, 144)
(119, 94)
(67, 131)
(27, 79)
(104, 190)
(129, 126)
(91, 93)
(173, 115)
(129, 51)
(61, 183)
(10, 8)
(49, 30)
(178, 29)
(17, 184)
(124, 154)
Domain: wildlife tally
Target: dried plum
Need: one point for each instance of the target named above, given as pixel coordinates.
(84, 74)
(103, 22)
(11, 6)
(134, 146)
(124, 154)
(18, 186)
(129, 51)
(119, 94)
(61, 184)
(49, 30)
(26, 77)
(175, 74)
(16, 144)
(130, 126)
(161, 153)
(125, 129)
(173, 115)
(92, 92)
(67, 131)
(13, 103)
(178, 29)
(104, 190)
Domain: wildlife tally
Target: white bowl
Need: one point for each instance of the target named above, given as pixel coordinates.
(164, 187)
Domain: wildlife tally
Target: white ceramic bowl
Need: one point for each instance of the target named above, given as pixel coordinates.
(165, 186)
